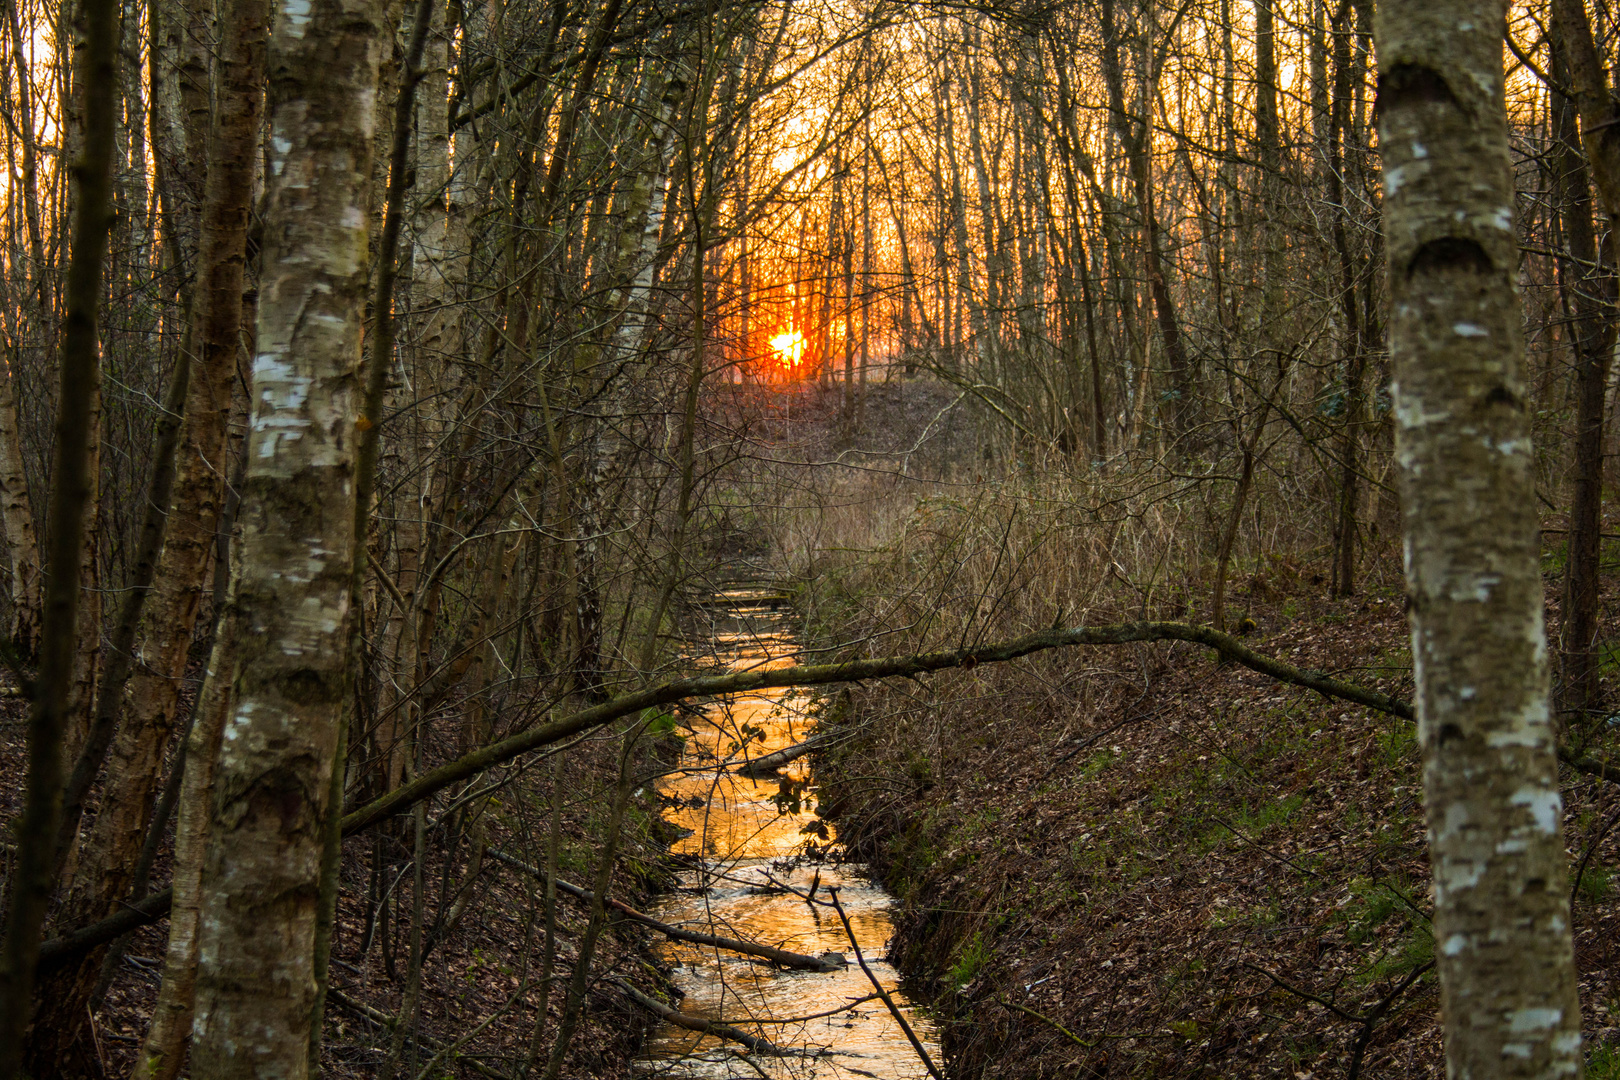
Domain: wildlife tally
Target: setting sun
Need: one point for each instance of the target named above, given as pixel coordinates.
(789, 348)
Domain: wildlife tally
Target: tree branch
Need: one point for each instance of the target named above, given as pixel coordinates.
(407, 795)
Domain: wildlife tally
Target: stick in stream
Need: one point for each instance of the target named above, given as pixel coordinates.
(781, 957)
(768, 764)
(894, 1010)
(707, 1027)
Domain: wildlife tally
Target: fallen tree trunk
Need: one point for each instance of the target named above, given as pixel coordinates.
(156, 906)
(707, 1027)
(402, 798)
(497, 753)
(765, 766)
(798, 961)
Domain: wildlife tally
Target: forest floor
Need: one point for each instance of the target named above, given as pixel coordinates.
(1139, 862)
(481, 985)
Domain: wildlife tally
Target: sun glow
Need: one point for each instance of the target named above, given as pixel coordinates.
(789, 348)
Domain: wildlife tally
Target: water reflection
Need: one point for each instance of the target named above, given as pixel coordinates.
(745, 848)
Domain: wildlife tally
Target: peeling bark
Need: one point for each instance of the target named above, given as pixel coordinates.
(261, 872)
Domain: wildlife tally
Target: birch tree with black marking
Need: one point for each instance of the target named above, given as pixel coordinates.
(1495, 814)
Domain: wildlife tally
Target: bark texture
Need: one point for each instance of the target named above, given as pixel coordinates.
(18, 516)
(1501, 913)
(95, 69)
(1599, 110)
(101, 879)
(261, 871)
(1576, 63)
(163, 1051)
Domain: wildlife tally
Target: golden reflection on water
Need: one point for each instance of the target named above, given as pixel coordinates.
(747, 846)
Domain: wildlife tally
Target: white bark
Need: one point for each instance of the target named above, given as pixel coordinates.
(1501, 907)
(255, 983)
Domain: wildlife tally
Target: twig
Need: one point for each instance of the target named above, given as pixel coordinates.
(1043, 1018)
(781, 957)
(377, 1016)
(1077, 1039)
(848, 1005)
(1575, 889)
(451, 1048)
(894, 1010)
(1090, 739)
(751, 1063)
(1367, 1022)
(1297, 992)
(1263, 849)
(1377, 1014)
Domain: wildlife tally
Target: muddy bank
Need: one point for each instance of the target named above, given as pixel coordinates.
(1134, 862)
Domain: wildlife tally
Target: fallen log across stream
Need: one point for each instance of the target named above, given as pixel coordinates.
(699, 686)
(57, 950)
(781, 957)
(767, 765)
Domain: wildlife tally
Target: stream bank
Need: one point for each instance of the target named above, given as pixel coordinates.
(1134, 862)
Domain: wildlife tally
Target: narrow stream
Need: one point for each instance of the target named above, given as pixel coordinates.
(746, 847)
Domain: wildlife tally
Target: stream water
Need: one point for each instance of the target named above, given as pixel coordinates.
(743, 847)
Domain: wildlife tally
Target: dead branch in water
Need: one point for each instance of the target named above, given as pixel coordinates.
(707, 1027)
(768, 764)
(777, 956)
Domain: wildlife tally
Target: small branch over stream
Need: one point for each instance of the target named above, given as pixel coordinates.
(894, 1010)
(708, 1027)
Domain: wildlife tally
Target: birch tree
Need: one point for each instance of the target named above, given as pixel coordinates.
(261, 871)
(1495, 814)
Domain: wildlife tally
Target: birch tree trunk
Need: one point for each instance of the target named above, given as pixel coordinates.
(135, 758)
(261, 873)
(636, 264)
(162, 1053)
(1501, 910)
(16, 510)
(16, 507)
